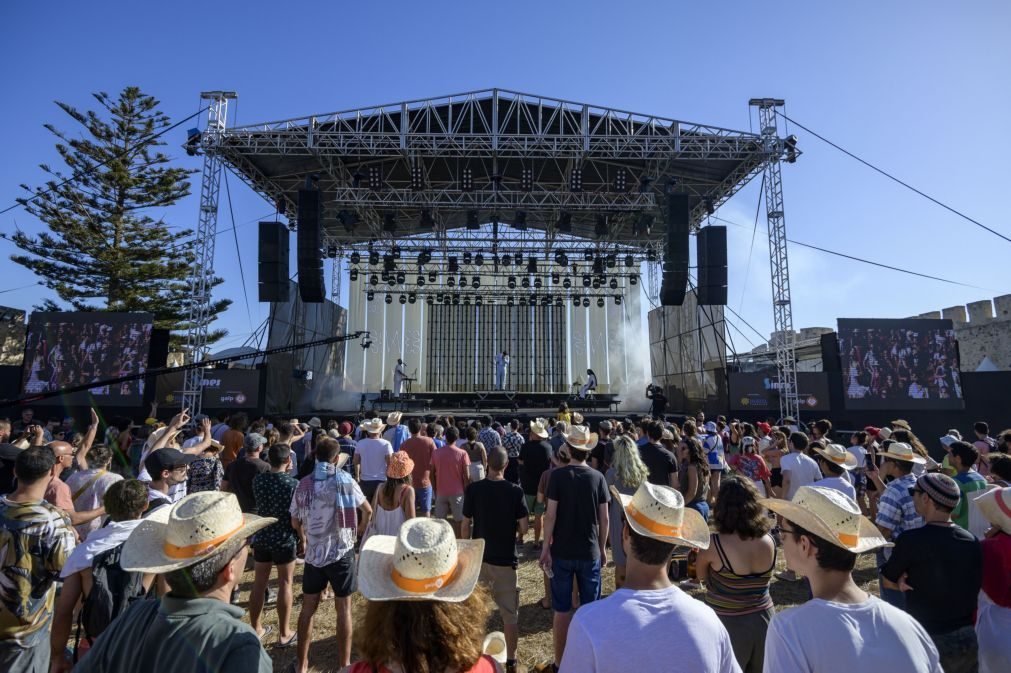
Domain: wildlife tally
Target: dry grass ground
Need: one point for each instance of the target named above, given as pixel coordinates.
(535, 623)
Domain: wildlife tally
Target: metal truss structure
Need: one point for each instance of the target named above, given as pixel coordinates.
(783, 339)
(202, 272)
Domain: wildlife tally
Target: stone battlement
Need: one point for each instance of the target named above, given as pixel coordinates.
(976, 313)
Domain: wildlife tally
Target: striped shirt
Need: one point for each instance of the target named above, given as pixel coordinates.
(325, 502)
(733, 595)
(896, 510)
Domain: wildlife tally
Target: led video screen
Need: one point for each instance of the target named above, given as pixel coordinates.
(899, 364)
(63, 350)
(759, 391)
(223, 389)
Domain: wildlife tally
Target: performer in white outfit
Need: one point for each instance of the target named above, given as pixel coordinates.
(591, 384)
(501, 369)
(399, 374)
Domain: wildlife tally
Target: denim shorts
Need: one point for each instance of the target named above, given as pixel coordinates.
(586, 574)
(423, 499)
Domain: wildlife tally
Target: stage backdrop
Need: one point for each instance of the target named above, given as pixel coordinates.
(899, 364)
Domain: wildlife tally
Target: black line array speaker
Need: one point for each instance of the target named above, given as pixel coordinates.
(711, 246)
(675, 264)
(310, 243)
(273, 268)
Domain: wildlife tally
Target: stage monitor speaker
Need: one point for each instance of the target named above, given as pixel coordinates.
(310, 243)
(711, 248)
(273, 268)
(675, 267)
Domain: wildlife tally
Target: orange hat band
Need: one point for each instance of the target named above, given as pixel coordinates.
(651, 525)
(848, 540)
(423, 586)
(198, 549)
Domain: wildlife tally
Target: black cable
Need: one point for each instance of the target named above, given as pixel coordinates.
(754, 233)
(103, 163)
(895, 179)
(235, 235)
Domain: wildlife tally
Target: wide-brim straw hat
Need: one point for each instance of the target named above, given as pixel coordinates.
(342, 459)
(495, 646)
(659, 512)
(580, 438)
(539, 428)
(400, 465)
(373, 425)
(995, 505)
(830, 515)
(902, 423)
(188, 532)
(838, 455)
(902, 451)
(393, 418)
(423, 562)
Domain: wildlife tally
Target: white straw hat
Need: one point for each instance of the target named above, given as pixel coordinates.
(902, 451)
(188, 532)
(373, 426)
(423, 562)
(539, 428)
(495, 646)
(579, 437)
(393, 418)
(995, 505)
(838, 455)
(830, 515)
(659, 512)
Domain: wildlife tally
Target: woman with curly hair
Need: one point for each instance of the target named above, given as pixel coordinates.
(626, 473)
(737, 569)
(694, 475)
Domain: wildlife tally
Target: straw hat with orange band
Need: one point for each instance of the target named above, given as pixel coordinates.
(190, 531)
(659, 512)
(423, 562)
(830, 515)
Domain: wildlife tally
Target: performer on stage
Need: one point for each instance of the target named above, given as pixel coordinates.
(655, 393)
(399, 374)
(591, 384)
(501, 370)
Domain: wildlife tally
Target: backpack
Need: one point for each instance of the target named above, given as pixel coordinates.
(113, 590)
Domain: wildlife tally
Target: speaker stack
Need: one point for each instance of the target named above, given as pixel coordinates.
(273, 266)
(711, 249)
(310, 243)
(675, 264)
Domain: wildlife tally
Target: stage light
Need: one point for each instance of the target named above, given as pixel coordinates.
(555, 278)
(586, 302)
(192, 145)
(356, 258)
(432, 277)
(644, 182)
(600, 302)
(518, 259)
(651, 255)
(511, 283)
(370, 295)
(347, 219)
(617, 299)
(429, 300)
(586, 280)
(353, 275)
(564, 223)
(598, 265)
(466, 300)
(401, 278)
(463, 281)
(525, 282)
(561, 259)
(520, 221)
(389, 264)
(538, 283)
(373, 280)
(448, 299)
(454, 263)
(612, 261)
(566, 282)
(576, 180)
(629, 260)
(613, 284)
(451, 281)
(424, 257)
(546, 300)
(403, 299)
(412, 298)
(621, 180)
(588, 255)
(532, 265)
(425, 220)
(417, 177)
(373, 258)
(421, 281)
(600, 229)
(473, 222)
(375, 178)
(475, 282)
(439, 297)
(389, 299)
(389, 222)
(558, 301)
(510, 302)
(575, 301)
(710, 208)
(356, 179)
(467, 180)
(633, 279)
(467, 258)
(523, 301)
(791, 149)
(478, 301)
(385, 275)
(596, 283)
(507, 259)
(527, 180)
(456, 300)
(478, 259)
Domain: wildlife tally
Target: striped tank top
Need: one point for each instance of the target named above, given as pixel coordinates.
(730, 594)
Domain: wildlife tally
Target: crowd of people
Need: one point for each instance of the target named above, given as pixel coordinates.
(126, 552)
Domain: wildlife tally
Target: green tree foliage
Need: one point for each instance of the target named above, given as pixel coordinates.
(108, 247)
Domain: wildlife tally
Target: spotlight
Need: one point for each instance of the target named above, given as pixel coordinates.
(466, 300)
(417, 177)
(791, 149)
(564, 223)
(421, 281)
(576, 180)
(566, 283)
(389, 299)
(478, 259)
(510, 302)
(463, 281)
(575, 301)
(527, 180)
(710, 208)
(511, 282)
(586, 280)
(467, 258)
(586, 302)
(588, 255)
(555, 278)
(472, 220)
(432, 277)
(353, 275)
(520, 221)
(633, 280)
(478, 301)
(429, 300)
(373, 280)
(617, 299)
(403, 299)
(375, 178)
(612, 261)
(424, 257)
(613, 284)
(192, 142)
(651, 255)
(370, 295)
(412, 298)
(538, 283)
(525, 282)
(454, 263)
(546, 300)
(356, 258)
(596, 283)
(440, 298)
(507, 259)
(467, 180)
(600, 302)
(451, 281)
(518, 259)
(385, 275)
(621, 180)
(629, 261)
(373, 258)
(523, 301)
(558, 301)
(475, 282)
(561, 259)
(456, 300)
(447, 299)
(401, 278)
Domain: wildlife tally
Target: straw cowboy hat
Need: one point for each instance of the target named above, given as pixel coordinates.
(539, 428)
(580, 438)
(188, 532)
(423, 562)
(659, 512)
(838, 455)
(830, 515)
(495, 646)
(393, 418)
(901, 423)
(995, 505)
(400, 465)
(902, 451)
(373, 426)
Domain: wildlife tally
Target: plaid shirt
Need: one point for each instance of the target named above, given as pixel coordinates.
(490, 438)
(896, 510)
(512, 443)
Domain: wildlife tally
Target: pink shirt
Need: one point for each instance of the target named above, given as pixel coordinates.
(451, 464)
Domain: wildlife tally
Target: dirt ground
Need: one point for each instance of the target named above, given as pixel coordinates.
(535, 643)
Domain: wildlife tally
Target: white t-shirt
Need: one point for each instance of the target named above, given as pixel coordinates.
(828, 637)
(373, 454)
(860, 453)
(841, 484)
(803, 471)
(97, 483)
(101, 540)
(646, 631)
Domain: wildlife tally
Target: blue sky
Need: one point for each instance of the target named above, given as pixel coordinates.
(919, 88)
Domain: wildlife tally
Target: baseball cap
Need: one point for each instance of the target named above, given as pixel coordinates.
(166, 459)
(605, 426)
(254, 440)
(345, 428)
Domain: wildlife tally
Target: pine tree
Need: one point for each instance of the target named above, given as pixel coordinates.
(108, 247)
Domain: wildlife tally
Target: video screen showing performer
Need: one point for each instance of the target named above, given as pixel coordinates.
(900, 364)
(69, 349)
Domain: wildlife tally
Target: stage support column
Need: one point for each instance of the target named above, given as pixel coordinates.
(355, 359)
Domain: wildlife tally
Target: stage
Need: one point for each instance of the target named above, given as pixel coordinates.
(490, 401)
